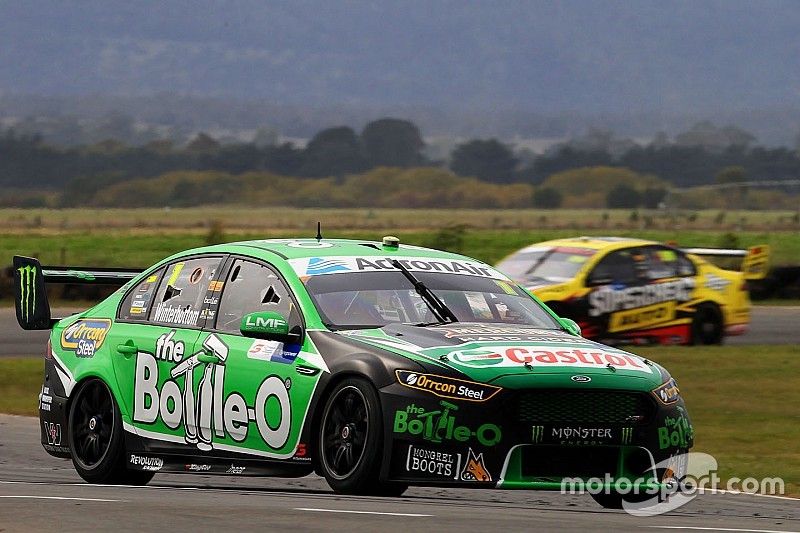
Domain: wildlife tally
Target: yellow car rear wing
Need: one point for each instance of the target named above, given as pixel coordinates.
(754, 264)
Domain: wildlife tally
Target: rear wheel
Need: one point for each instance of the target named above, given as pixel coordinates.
(350, 444)
(707, 325)
(96, 442)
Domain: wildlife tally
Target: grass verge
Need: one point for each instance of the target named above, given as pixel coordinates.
(742, 400)
(743, 404)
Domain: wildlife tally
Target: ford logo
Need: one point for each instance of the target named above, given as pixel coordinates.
(581, 379)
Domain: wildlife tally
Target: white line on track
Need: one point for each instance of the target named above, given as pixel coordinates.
(777, 497)
(698, 528)
(349, 511)
(26, 497)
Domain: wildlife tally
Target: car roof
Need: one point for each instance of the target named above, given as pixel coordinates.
(593, 243)
(304, 248)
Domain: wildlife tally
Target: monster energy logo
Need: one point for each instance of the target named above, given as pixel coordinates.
(627, 435)
(537, 433)
(27, 290)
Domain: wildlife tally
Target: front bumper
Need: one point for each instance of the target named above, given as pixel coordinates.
(510, 441)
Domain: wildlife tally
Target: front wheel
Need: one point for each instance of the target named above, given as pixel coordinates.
(350, 444)
(96, 441)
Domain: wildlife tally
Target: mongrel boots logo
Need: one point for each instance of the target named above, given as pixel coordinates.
(27, 291)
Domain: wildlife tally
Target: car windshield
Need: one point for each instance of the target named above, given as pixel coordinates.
(553, 264)
(375, 299)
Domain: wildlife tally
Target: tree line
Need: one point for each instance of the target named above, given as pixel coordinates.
(699, 156)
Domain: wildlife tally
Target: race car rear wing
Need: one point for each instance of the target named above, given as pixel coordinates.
(30, 296)
(755, 260)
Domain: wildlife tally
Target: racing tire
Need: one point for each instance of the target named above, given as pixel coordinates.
(707, 325)
(96, 439)
(350, 441)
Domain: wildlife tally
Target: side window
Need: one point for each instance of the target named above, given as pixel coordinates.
(180, 296)
(622, 266)
(669, 263)
(251, 287)
(685, 265)
(137, 302)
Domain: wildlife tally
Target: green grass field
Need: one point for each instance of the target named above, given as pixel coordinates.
(140, 249)
(742, 401)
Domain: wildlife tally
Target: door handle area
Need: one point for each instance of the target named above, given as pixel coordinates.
(127, 349)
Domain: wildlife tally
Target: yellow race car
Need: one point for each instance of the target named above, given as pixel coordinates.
(637, 291)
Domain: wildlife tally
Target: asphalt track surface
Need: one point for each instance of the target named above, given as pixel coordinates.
(42, 493)
(769, 325)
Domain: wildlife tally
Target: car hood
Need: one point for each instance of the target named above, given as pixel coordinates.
(515, 356)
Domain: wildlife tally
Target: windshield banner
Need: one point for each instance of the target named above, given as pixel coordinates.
(316, 266)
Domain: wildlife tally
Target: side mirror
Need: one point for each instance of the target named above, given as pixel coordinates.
(571, 326)
(271, 326)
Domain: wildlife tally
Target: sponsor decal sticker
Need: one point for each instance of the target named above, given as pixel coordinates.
(315, 266)
(432, 462)
(548, 357)
(716, 283)
(53, 433)
(263, 350)
(446, 387)
(27, 290)
(581, 435)
(608, 299)
(440, 425)
(475, 468)
(668, 393)
(581, 379)
(234, 469)
(215, 286)
(85, 336)
(203, 410)
(193, 467)
(537, 434)
(152, 464)
(185, 316)
(642, 317)
(676, 432)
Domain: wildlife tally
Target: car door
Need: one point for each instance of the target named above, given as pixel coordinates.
(614, 285)
(158, 324)
(260, 388)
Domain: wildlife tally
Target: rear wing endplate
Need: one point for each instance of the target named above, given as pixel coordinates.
(30, 296)
(755, 260)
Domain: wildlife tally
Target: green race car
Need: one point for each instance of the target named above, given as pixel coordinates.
(375, 364)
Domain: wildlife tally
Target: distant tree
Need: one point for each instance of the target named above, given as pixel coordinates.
(653, 196)
(202, 144)
(285, 159)
(623, 196)
(547, 198)
(333, 152)
(709, 136)
(391, 142)
(265, 137)
(732, 174)
(489, 160)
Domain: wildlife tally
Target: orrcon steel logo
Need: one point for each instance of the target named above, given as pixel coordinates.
(446, 387)
(27, 291)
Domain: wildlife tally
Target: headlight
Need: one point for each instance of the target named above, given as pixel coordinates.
(668, 392)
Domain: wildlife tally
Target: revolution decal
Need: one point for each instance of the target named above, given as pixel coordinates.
(85, 336)
(446, 387)
(315, 266)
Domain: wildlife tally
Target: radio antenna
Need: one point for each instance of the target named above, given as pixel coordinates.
(319, 231)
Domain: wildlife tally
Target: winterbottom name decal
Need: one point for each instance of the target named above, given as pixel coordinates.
(315, 266)
(446, 387)
(176, 315)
